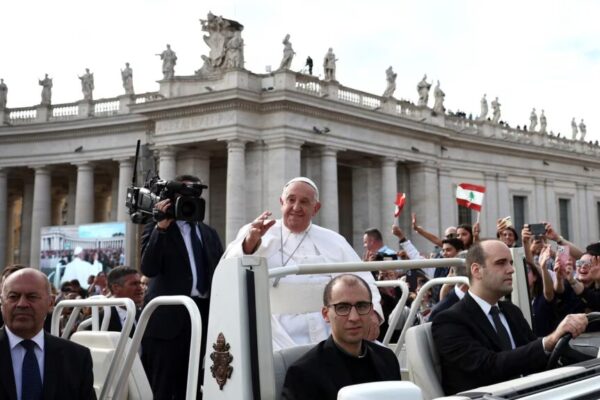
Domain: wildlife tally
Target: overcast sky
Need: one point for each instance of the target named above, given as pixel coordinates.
(542, 54)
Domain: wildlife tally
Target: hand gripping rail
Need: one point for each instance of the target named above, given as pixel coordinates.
(397, 312)
(77, 304)
(417, 302)
(196, 337)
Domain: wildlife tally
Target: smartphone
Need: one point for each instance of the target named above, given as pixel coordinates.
(537, 230)
(563, 253)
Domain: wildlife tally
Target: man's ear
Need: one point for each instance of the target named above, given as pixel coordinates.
(281, 200)
(325, 313)
(317, 208)
(476, 270)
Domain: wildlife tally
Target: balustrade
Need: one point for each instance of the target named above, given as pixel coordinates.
(23, 115)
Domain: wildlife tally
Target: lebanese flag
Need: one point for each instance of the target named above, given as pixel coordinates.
(400, 200)
(470, 196)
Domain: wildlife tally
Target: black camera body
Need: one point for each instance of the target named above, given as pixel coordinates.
(186, 201)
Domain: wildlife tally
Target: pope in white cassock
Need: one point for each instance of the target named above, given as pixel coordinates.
(80, 269)
(291, 240)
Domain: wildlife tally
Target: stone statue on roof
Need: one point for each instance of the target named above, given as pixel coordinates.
(574, 130)
(169, 59)
(484, 108)
(3, 94)
(127, 77)
(46, 85)
(533, 120)
(496, 111)
(423, 89)
(87, 85)
(226, 45)
(288, 54)
(543, 122)
(438, 96)
(582, 129)
(329, 65)
(390, 77)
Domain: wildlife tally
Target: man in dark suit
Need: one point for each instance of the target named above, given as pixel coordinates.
(33, 363)
(482, 340)
(180, 258)
(124, 281)
(345, 358)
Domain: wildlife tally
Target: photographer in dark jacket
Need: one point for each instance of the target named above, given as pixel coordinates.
(180, 258)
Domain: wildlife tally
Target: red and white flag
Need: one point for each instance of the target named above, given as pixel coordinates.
(470, 196)
(400, 200)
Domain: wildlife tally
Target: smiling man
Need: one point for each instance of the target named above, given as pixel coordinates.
(482, 340)
(294, 240)
(345, 358)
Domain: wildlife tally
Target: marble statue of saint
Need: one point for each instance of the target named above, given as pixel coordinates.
(543, 122)
(573, 129)
(484, 108)
(438, 95)
(288, 54)
(169, 59)
(582, 129)
(127, 77)
(329, 65)
(423, 90)
(87, 84)
(3, 94)
(390, 76)
(496, 111)
(46, 85)
(234, 51)
(533, 120)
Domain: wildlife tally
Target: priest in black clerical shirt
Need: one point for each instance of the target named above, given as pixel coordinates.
(345, 358)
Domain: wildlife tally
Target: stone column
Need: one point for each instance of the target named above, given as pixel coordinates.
(4, 216)
(581, 221)
(389, 190)
(235, 216)
(10, 232)
(125, 175)
(71, 199)
(552, 204)
(540, 200)
(26, 215)
(503, 198)
(84, 195)
(360, 206)
(40, 215)
(448, 212)
(283, 165)
(329, 190)
(491, 208)
(167, 163)
(424, 182)
(256, 183)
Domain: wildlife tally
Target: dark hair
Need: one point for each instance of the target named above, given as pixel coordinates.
(454, 242)
(116, 275)
(374, 233)
(538, 286)
(475, 255)
(467, 228)
(348, 279)
(9, 269)
(189, 178)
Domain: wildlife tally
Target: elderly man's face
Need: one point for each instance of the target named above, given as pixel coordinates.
(298, 206)
(25, 302)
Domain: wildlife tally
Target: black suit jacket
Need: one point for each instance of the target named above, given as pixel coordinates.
(165, 260)
(470, 351)
(321, 372)
(447, 302)
(67, 370)
(115, 325)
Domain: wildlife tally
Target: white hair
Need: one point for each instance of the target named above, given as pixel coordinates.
(308, 181)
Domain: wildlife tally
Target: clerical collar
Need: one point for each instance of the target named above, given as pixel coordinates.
(288, 232)
(363, 350)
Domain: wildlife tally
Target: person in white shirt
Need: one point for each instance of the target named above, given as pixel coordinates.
(294, 240)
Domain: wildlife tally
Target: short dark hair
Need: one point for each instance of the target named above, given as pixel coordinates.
(185, 177)
(374, 233)
(475, 255)
(9, 269)
(348, 279)
(454, 242)
(116, 275)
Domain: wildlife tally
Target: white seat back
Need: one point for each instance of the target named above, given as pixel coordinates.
(102, 345)
(282, 359)
(424, 366)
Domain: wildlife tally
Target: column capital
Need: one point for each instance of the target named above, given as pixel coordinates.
(236, 144)
(388, 161)
(490, 175)
(283, 142)
(329, 151)
(166, 151)
(83, 165)
(124, 160)
(41, 169)
(581, 185)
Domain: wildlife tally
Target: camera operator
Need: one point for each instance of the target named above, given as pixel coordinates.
(180, 258)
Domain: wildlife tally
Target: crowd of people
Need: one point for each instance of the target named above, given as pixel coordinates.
(481, 337)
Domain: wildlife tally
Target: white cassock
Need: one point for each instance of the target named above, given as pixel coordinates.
(315, 245)
(80, 270)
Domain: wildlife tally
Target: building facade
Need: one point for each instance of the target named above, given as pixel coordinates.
(246, 134)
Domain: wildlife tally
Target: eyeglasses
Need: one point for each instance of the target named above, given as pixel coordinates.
(581, 264)
(344, 309)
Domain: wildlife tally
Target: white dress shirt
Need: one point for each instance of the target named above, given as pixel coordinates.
(486, 307)
(17, 354)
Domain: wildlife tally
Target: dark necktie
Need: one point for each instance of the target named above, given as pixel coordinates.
(500, 329)
(201, 279)
(31, 380)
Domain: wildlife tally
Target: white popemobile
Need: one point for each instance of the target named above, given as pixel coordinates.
(241, 363)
